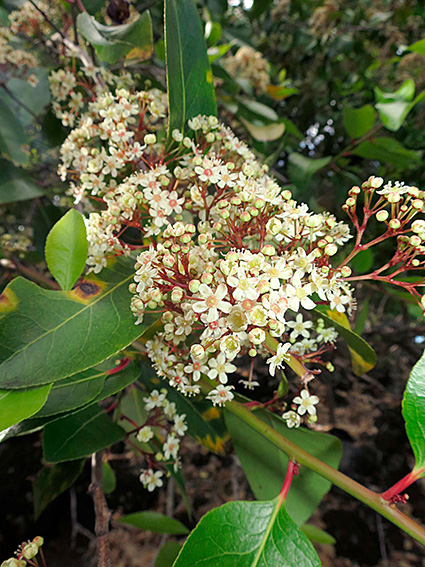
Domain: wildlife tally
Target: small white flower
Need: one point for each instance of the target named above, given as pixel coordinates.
(220, 395)
(300, 327)
(145, 434)
(212, 302)
(292, 419)
(151, 479)
(220, 368)
(280, 356)
(180, 426)
(306, 402)
(171, 447)
(155, 400)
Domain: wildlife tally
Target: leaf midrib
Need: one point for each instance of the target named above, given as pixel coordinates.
(66, 321)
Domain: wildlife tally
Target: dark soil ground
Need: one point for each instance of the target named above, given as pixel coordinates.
(365, 413)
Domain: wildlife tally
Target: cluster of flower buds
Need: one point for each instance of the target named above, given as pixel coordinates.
(25, 553)
(158, 437)
(72, 88)
(395, 207)
(234, 274)
(249, 65)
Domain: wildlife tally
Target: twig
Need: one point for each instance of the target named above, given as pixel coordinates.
(76, 527)
(19, 102)
(102, 512)
(48, 20)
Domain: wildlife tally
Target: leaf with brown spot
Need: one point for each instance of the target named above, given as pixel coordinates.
(46, 336)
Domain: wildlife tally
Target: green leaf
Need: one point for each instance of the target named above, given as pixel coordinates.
(167, 554)
(414, 412)
(264, 132)
(405, 93)
(189, 76)
(265, 465)
(92, 385)
(247, 534)
(118, 381)
(301, 169)
(73, 392)
(154, 522)
(362, 262)
(17, 405)
(34, 98)
(47, 336)
(129, 42)
(386, 150)
(394, 107)
(418, 47)
(13, 138)
(79, 435)
(363, 355)
(51, 482)
(16, 184)
(108, 478)
(67, 248)
(358, 121)
(204, 421)
(280, 92)
(317, 535)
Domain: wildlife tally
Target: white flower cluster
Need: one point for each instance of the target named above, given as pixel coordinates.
(29, 21)
(250, 65)
(230, 303)
(302, 339)
(162, 429)
(18, 62)
(25, 553)
(72, 91)
(306, 405)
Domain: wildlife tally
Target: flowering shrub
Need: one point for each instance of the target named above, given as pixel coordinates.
(184, 255)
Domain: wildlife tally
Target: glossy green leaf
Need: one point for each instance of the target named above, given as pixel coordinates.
(130, 42)
(154, 522)
(404, 93)
(418, 47)
(363, 355)
(301, 169)
(394, 107)
(116, 382)
(67, 248)
(247, 534)
(204, 422)
(73, 392)
(16, 184)
(189, 76)
(92, 385)
(167, 554)
(265, 465)
(17, 405)
(317, 535)
(46, 336)
(13, 138)
(414, 411)
(386, 150)
(358, 121)
(79, 435)
(51, 482)
(363, 261)
(34, 98)
(109, 481)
